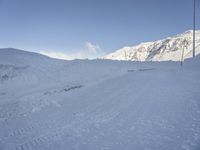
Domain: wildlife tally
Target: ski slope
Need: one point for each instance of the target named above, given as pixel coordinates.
(48, 104)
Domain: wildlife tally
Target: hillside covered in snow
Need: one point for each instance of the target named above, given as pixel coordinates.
(51, 104)
(163, 50)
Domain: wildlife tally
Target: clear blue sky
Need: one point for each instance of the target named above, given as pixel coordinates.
(66, 25)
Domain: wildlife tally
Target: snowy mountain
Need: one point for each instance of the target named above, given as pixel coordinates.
(162, 50)
(50, 104)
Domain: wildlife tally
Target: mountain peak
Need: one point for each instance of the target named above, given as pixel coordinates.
(161, 50)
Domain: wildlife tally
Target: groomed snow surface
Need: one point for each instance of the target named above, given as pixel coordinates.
(49, 104)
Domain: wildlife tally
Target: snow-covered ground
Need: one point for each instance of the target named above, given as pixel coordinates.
(49, 104)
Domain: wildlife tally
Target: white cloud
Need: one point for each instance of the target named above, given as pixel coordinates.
(92, 48)
(90, 51)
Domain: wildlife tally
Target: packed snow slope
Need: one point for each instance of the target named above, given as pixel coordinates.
(167, 49)
(50, 104)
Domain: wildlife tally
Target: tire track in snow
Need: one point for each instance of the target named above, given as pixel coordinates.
(40, 140)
